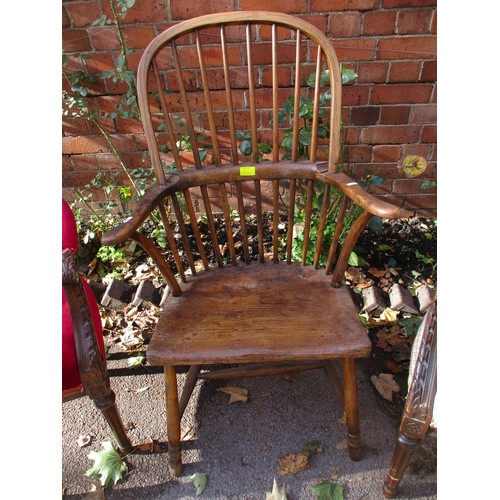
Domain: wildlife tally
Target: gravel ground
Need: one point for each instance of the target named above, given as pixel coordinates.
(238, 445)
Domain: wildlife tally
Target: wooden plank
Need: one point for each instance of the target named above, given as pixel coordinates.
(258, 313)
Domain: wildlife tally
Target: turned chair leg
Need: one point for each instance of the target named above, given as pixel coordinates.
(173, 422)
(402, 453)
(110, 412)
(351, 409)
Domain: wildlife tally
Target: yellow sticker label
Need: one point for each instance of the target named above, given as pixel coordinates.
(247, 171)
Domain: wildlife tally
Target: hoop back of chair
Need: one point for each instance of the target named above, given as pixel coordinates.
(211, 88)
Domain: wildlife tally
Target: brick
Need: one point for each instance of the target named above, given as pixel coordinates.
(146, 293)
(406, 186)
(356, 95)
(351, 135)
(66, 23)
(67, 164)
(355, 49)
(372, 72)
(365, 115)
(425, 113)
(417, 150)
(84, 162)
(394, 115)
(82, 13)
(379, 23)
(334, 5)
(138, 37)
(390, 134)
(429, 71)
(77, 179)
(425, 296)
(421, 201)
(358, 154)
(401, 299)
(414, 21)
(287, 6)
(118, 294)
(143, 11)
(373, 300)
(75, 145)
(429, 133)
(104, 38)
(386, 153)
(411, 47)
(401, 93)
(319, 20)
(404, 71)
(344, 24)
(78, 126)
(75, 40)
(390, 4)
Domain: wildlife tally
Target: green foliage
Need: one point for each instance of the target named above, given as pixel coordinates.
(200, 482)
(325, 490)
(246, 146)
(108, 464)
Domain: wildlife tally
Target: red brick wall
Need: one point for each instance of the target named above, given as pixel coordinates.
(389, 113)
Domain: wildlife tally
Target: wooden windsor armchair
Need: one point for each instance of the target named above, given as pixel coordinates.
(214, 95)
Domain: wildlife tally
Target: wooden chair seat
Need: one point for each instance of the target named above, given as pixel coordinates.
(258, 313)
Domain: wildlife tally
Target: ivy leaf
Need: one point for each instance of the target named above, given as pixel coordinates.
(136, 361)
(108, 464)
(328, 491)
(348, 75)
(353, 260)
(200, 482)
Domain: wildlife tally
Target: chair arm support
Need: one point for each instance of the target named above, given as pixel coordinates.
(141, 211)
(370, 203)
(91, 366)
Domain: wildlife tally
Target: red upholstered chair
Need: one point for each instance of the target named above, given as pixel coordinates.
(83, 356)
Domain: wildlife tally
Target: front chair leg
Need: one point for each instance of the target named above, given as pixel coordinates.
(110, 412)
(173, 422)
(400, 458)
(351, 409)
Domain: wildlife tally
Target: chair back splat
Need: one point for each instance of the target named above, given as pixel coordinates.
(242, 117)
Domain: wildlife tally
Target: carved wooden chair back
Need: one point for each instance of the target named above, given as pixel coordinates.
(242, 117)
(419, 418)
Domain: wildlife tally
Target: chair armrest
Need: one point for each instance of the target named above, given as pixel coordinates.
(141, 211)
(367, 201)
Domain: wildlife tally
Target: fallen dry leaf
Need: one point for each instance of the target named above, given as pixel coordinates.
(353, 274)
(276, 493)
(236, 393)
(147, 446)
(83, 440)
(342, 445)
(385, 385)
(378, 273)
(293, 463)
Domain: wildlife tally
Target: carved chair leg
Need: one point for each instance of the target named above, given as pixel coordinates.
(351, 409)
(110, 412)
(402, 453)
(173, 422)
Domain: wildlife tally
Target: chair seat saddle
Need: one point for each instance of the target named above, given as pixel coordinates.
(258, 312)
